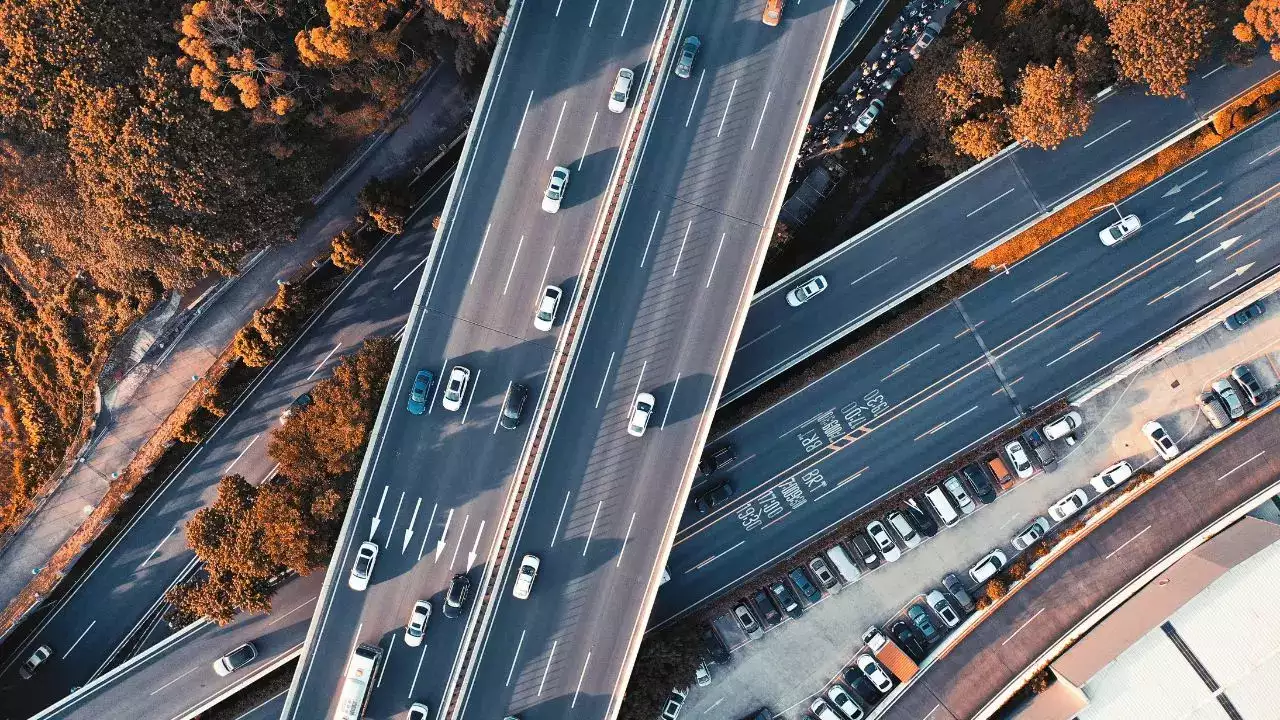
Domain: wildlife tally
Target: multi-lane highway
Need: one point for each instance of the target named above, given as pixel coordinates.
(1019, 341)
(900, 256)
(434, 486)
(677, 279)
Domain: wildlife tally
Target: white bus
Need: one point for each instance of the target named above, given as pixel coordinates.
(357, 682)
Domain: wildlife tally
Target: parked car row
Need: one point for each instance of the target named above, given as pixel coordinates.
(1222, 404)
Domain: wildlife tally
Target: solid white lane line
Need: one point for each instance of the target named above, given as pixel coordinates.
(1103, 135)
(461, 535)
(580, 679)
(242, 452)
(556, 132)
(262, 705)
(592, 529)
(760, 122)
(676, 268)
(514, 260)
(395, 517)
(587, 144)
(547, 669)
(652, 230)
(558, 7)
(984, 205)
(873, 270)
(625, 538)
(86, 632)
(162, 687)
(547, 270)
(324, 360)
(520, 129)
(1246, 462)
(514, 658)
(592, 20)
(427, 532)
(1205, 191)
(1074, 348)
(725, 116)
(414, 684)
(694, 103)
(626, 19)
(670, 401)
(1126, 542)
(605, 380)
(498, 419)
(480, 254)
(556, 533)
(1175, 291)
(1021, 627)
(1223, 65)
(410, 274)
(157, 549)
(715, 260)
(717, 556)
(295, 609)
(387, 660)
(472, 396)
(1266, 155)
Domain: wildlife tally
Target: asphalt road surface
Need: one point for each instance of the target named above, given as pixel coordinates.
(435, 485)
(895, 260)
(670, 300)
(1018, 342)
(171, 682)
(1117, 551)
(117, 593)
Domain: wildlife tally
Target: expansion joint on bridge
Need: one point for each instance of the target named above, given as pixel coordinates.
(991, 360)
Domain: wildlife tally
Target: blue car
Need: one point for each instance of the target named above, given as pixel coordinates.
(421, 388)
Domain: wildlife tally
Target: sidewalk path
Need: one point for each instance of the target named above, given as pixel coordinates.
(148, 392)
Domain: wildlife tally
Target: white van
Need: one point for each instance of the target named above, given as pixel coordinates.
(844, 564)
(942, 506)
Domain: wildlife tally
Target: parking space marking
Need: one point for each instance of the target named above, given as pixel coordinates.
(1021, 628)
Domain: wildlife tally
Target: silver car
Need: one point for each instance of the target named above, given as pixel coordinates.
(688, 51)
(868, 116)
(1031, 533)
(1227, 391)
(804, 293)
(547, 306)
(880, 536)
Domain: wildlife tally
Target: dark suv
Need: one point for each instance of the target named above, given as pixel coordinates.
(920, 617)
(766, 608)
(920, 518)
(801, 580)
(513, 406)
(715, 496)
(979, 482)
(716, 459)
(909, 640)
(786, 598)
(456, 597)
(862, 685)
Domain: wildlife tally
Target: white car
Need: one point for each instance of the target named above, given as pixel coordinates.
(525, 576)
(1067, 506)
(840, 697)
(456, 389)
(34, 662)
(868, 116)
(1119, 230)
(804, 293)
(1021, 462)
(900, 525)
(1064, 427)
(621, 90)
(987, 566)
(822, 710)
(547, 306)
(943, 608)
(702, 676)
(1112, 476)
(1032, 533)
(880, 536)
(235, 659)
(874, 673)
(1160, 440)
(362, 569)
(640, 414)
(418, 711)
(417, 625)
(556, 187)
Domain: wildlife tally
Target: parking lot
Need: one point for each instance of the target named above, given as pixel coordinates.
(797, 659)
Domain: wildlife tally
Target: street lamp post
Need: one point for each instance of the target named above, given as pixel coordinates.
(1113, 206)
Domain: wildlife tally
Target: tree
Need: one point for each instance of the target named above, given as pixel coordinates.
(974, 79)
(348, 250)
(981, 138)
(1157, 42)
(1261, 20)
(481, 17)
(667, 659)
(1051, 107)
(272, 326)
(1094, 66)
(388, 203)
(231, 52)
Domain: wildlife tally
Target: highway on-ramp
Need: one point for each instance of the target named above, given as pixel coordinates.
(434, 486)
(1022, 340)
(670, 302)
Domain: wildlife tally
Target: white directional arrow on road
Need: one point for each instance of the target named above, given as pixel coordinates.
(1238, 272)
(1225, 244)
(471, 556)
(377, 517)
(440, 543)
(1192, 215)
(1178, 188)
(408, 533)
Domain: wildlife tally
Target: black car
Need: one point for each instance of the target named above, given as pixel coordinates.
(862, 550)
(979, 482)
(713, 497)
(800, 579)
(766, 608)
(1041, 448)
(456, 597)
(920, 518)
(862, 686)
(786, 599)
(717, 651)
(715, 459)
(1239, 318)
(923, 623)
(513, 406)
(909, 640)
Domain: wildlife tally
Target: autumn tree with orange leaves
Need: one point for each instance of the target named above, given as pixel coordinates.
(1261, 22)
(1158, 42)
(1051, 106)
